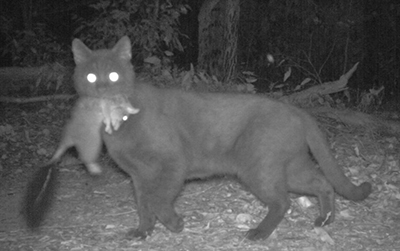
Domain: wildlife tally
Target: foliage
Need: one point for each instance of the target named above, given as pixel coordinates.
(316, 41)
(34, 47)
(151, 25)
(370, 101)
(38, 47)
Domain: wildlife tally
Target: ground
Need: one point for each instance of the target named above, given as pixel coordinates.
(92, 213)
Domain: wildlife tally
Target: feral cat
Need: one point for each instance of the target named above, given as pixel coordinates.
(180, 135)
(83, 132)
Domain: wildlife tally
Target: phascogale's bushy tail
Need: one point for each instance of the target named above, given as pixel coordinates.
(39, 195)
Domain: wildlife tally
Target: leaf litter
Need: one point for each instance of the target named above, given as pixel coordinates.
(95, 213)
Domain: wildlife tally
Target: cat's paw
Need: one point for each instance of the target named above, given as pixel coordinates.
(138, 234)
(323, 221)
(175, 225)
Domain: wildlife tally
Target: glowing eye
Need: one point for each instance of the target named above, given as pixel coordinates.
(113, 76)
(91, 78)
(125, 118)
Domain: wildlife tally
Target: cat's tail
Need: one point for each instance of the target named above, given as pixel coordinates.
(322, 153)
(39, 194)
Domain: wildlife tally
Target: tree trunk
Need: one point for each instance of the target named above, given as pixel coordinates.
(218, 36)
(26, 7)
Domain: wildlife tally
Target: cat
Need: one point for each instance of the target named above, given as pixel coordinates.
(178, 136)
(83, 132)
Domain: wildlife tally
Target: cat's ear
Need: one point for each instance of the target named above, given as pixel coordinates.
(81, 51)
(123, 48)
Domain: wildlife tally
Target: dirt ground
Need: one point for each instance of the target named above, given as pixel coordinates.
(95, 213)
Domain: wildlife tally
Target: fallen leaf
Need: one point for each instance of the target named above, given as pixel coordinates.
(323, 235)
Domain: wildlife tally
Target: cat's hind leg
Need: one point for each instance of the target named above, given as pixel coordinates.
(268, 184)
(305, 178)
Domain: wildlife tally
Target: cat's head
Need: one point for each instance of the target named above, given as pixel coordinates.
(105, 72)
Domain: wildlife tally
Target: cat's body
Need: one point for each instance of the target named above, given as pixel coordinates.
(183, 135)
(264, 143)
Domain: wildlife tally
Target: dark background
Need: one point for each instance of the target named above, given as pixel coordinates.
(319, 39)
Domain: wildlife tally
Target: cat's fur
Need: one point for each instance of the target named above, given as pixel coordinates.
(181, 135)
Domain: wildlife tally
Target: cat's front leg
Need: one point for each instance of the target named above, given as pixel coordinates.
(133, 167)
(166, 187)
(147, 221)
(157, 184)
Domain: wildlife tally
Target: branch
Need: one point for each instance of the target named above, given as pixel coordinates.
(322, 89)
(35, 99)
